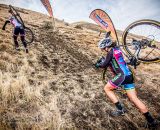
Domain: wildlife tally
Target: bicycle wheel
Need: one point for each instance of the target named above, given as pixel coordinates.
(29, 36)
(147, 35)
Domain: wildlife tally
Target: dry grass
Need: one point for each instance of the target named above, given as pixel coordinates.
(48, 25)
(54, 87)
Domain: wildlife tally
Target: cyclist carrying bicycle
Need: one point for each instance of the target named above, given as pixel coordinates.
(18, 29)
(123, 76)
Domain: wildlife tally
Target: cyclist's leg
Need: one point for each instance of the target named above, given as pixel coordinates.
(15, 36)
(132, 95)
(129, 86)
(113, 84)
(22, 34)
(109, 91)
(110, 86)
(15, 41)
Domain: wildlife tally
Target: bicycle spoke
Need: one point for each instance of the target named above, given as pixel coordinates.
(156, 52)
(149, 54)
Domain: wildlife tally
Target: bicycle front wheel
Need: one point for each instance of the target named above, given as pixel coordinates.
(147, 32)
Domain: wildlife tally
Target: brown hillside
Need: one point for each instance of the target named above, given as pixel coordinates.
(55, 86)
(92, 27)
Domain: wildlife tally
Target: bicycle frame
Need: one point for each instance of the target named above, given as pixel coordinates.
(16, 15)
(133, 59)
(138, 46)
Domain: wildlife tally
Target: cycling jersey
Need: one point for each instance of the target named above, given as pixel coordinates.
(15, 22)
(115, 61)
(18, 28)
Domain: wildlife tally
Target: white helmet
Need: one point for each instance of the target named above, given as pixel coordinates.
(106, 42)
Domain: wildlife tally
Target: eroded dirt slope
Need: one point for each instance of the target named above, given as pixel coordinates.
(55, 85)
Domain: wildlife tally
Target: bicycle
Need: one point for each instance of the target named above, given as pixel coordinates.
(29, 35)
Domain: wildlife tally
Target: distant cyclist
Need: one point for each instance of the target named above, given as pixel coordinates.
(123, 76)
(18, 29)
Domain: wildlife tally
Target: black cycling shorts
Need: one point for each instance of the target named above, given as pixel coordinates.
(121, 80)
(19, 30)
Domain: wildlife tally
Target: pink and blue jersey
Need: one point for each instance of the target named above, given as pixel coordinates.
(115, 61)
(14, 22)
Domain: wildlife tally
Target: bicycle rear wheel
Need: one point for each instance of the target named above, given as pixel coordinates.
(147, 33)
(29, 36)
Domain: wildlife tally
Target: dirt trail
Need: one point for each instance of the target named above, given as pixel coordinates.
(55, 85)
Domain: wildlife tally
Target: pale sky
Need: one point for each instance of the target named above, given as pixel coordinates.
(122, 12)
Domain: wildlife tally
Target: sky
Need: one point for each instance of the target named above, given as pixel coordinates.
(122, 12)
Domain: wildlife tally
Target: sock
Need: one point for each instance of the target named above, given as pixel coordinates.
(118, 106)
(148, 117)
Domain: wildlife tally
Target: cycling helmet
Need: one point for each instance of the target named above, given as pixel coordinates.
(106, 42)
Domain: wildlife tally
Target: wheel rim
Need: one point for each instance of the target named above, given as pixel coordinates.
(28, 35)
(144, 31)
